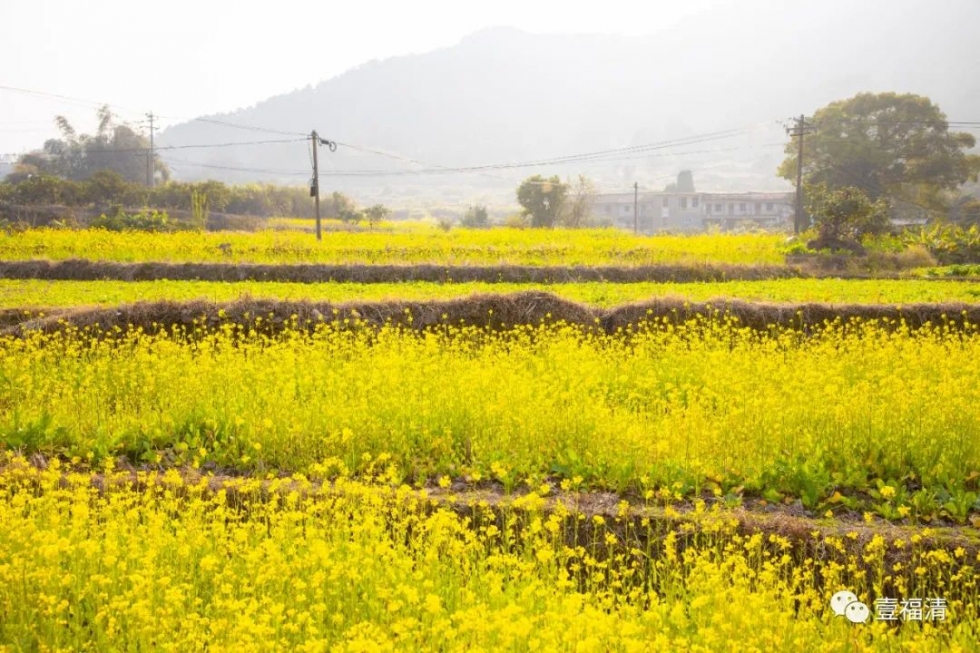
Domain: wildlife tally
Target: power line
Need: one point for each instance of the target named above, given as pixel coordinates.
(236, 169)
(592, 163)
(574, 158)
(642, 148)
(398, 157)
(130, 150)
(65, 98)
(195, 146)
(224, 123)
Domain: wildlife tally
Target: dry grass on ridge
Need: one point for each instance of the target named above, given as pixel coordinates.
(487, 310)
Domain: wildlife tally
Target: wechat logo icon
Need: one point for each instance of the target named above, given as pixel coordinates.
(846, 604)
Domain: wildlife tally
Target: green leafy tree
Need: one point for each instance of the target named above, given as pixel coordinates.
(889, 145)
(200, 209)
(217, 194)
(576, 210)
(114, 147)
(542, 199)
(476, 217)
(106, 187)
(38, 189)
(376, 213)
(343, 207)
(118, 220)
(843, 216)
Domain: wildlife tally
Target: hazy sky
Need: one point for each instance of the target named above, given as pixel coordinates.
(183, 59)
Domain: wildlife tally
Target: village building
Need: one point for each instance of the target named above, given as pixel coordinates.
(690, 212)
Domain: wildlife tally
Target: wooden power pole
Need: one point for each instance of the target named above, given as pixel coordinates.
(315, 185)
(149, 159)
(636, 216)
(799, 219)
(315, 188)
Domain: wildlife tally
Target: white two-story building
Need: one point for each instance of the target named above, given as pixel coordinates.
(688, 212)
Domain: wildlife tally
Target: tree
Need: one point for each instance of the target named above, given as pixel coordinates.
(376, 214)
(577, 209)
(116, 148)
(105, 187)
(476, 217)
(343, 207)
(888, 145)
(542, 199)
(843, 216)
(685, 181)
(37, 189)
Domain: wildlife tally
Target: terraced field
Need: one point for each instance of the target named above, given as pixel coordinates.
(418, 245)
(36, 293)
(473, 466)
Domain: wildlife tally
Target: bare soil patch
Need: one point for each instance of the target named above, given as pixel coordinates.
(89, 270)
(493, 311)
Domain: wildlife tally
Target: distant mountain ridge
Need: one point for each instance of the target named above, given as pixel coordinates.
(503, 95)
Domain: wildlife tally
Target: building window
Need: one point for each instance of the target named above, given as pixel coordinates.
(626, 208)
(731, 208)
(694, 202)
(683, 202)
(608, 209)
(665, 202)
(741, 207)
(719, 208)
(769, 207)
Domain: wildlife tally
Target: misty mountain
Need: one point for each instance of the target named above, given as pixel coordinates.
(502, 95)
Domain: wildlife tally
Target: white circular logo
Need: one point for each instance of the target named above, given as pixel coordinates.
(857, 612)
(845, 604)
(840, 601)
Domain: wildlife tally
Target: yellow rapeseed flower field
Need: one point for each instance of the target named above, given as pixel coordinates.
(61, 294)
(432, 245)
(706, 406)
(541, 487)
(175, 564)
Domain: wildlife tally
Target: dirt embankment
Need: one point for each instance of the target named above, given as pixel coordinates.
(88, 270)
(637, 523)
(492, 311)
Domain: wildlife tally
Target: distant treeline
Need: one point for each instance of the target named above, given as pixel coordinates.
(105, 190)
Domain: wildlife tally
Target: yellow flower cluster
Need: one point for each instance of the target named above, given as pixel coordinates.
(424, 244)
(158, 561)
(57, 294)
(703, 407)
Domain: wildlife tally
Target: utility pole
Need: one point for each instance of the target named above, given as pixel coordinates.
(315, 189)
(315, 185)
(798, 132)
(636, 216)
(149, 159)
